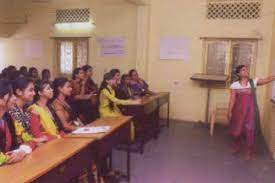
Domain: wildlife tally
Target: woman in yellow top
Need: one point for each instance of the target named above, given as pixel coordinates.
(41, 112)
(108, 106)
(108, 103)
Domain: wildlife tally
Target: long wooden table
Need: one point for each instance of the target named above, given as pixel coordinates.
(60, 160)
(146, 116)
(120, 133)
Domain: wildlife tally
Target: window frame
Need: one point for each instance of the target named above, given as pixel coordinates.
(75, 40)
(229, 43)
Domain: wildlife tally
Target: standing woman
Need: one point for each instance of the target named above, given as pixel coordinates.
(23, 89)
(243, 111)
(62, 91)
(42, 115)
(10, 150)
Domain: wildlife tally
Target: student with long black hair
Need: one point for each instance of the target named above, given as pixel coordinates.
(108, 106)
(123, 90)
(89, 86)
(23, 70)
(81, 101)
(23, 89)
(11, 151)
(33, 73)
(46, 75)
(62, 92)
(108, 102)
(138, 86)
(43, 118)
(116, 76)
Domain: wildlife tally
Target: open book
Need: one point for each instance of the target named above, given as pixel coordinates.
(91, 130)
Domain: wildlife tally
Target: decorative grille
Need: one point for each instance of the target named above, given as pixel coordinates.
(229, 9)
(72, 15)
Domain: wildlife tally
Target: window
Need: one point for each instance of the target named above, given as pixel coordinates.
(66, 57)
(242, 54)
(72, 53)
(216, 57)
(223, 56)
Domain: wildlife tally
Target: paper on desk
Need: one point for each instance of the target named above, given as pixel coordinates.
(91, 130)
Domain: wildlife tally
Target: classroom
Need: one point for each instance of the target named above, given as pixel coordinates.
(137, 91)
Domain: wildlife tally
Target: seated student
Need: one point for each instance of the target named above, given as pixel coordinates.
(108, 102)
(4, 74)
(78, 85)
(23, 89)
(33, 73)
(23, 70)
(123, 91)
(62, 91)
(81, 101)
(90, 85)
(42, 115)
(138, 86)
(46, 75)
(12, 68)
(116, 75)
(10, 150)
(14, 75)
(11, 74)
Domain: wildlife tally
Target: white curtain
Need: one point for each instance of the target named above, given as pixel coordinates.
(66, 57)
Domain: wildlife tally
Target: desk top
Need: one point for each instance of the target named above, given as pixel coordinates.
(42, 160)
(149, 98)
(113, 122)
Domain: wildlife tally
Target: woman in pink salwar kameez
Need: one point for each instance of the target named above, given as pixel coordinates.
(242, 112)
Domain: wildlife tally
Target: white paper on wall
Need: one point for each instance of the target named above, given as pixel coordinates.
(172, 48)
(111, 47)
(34, 48)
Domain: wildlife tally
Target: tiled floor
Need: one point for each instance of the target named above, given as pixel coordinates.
(185, 153)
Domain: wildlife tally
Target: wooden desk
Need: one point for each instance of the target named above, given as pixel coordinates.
(146, 116)
(57, 161)
(120, 133)
(210, 81)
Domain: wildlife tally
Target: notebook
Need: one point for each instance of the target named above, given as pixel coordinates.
(91, 130)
